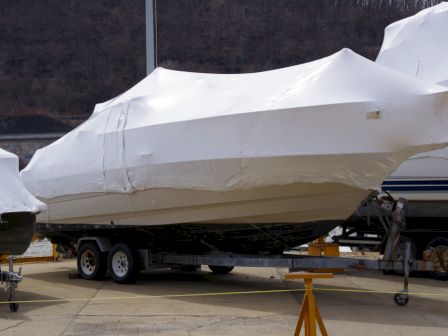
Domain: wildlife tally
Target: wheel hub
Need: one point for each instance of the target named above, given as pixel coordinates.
(88, 262)
(120, 264)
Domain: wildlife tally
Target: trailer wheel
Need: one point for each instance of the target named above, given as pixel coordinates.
(92, 264)
(401, 299)
(439, 241)
(221, 269)
(123, 264)
(14, 307)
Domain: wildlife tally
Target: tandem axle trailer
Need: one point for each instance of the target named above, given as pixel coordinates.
(124, 265)
(121, 258)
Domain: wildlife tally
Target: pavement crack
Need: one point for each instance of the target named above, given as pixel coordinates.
(76, 316)
(208, 324)
(13, 326)
(233, 318)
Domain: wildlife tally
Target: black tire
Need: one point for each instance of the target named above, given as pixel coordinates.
(14, 307)
(92, 263)
(123, 264)
(432, 244)
(401, 299)
(221, 269)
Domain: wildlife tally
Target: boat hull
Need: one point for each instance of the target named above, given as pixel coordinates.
(296, 203)
(266, 220)
(266, 239)
(16, 232)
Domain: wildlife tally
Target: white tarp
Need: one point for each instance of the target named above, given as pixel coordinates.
(228, 132)
(418, 45)
(13, 195)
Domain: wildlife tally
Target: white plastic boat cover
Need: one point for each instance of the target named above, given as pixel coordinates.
(433, 165)
(324, 121)
(13, 195)
(418, 45)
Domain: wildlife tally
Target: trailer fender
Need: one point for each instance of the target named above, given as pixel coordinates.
(102, 242)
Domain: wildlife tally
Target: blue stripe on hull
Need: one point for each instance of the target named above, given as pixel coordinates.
(415, 185)
(416, 182)
(416, 188)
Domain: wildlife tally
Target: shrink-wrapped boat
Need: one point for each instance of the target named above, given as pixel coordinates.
(18, 208)
(213, 159)
(418, 46)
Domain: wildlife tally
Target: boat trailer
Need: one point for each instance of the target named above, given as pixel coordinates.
(291, 261)
(397, 256)
(392, 216)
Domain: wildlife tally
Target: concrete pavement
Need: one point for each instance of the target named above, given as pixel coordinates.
(105, 308)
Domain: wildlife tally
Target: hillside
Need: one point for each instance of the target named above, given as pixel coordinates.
(61, 57)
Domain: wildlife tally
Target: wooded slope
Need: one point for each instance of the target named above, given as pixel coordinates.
(60, 57)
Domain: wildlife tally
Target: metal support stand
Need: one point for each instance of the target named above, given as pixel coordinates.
(402, 298)
(10, 280)
(309, 314)
(398, 224)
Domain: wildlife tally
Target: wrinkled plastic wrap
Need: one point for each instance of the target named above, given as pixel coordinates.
(433, 164)
(13, 195)
(418, 45)
(340, 119)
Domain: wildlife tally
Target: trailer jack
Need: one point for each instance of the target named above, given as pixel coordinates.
(402, 298)
(11, 279)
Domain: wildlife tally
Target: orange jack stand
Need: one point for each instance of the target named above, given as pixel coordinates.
(309, 314)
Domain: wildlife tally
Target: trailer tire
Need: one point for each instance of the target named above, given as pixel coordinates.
(123, 264)
(439, 241)
(14, 307)
(91, 262)
(220, 269)
(401, 299)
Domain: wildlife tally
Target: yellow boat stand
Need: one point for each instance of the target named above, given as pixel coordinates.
(309, 314)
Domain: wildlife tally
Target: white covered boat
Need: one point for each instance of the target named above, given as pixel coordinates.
(18, 208)
(297, 148)
(418, 47)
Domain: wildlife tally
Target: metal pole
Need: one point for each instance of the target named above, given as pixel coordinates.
(150, 36)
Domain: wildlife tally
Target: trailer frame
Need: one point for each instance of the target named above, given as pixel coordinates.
(291, 261)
